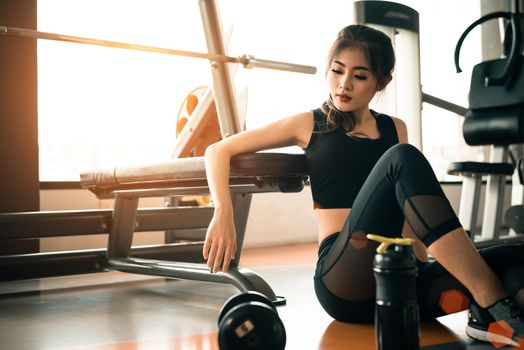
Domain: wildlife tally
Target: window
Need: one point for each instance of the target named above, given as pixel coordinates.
(101, 106)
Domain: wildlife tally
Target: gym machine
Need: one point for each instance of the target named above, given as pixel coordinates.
(494, 118)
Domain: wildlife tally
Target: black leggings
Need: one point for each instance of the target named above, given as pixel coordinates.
(401, 186)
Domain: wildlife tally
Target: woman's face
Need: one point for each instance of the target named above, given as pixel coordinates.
(352, 85)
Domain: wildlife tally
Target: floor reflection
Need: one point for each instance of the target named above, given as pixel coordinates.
(362, 336)
(194, 342)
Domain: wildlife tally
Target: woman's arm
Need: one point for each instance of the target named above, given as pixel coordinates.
(220, 241)
(418, 247)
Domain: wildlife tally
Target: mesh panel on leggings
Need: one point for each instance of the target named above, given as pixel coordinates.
(427, 213)
(355, 283)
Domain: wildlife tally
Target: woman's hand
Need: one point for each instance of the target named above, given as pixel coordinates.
(221, 242)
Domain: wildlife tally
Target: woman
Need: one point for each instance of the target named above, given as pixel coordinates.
(366, 178)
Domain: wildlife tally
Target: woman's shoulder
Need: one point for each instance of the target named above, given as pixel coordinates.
(395, 123)
(305, 118)
(398, 122)
(301, 126)
(304, 125)
(401, 128)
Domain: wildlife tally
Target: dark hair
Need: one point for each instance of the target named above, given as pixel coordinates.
(378, 50)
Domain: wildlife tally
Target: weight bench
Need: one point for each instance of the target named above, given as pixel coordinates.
(250, 173)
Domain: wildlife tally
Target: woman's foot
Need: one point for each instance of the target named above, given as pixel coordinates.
(502, 323)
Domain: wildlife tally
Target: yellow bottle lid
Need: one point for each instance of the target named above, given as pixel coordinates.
(385, 242)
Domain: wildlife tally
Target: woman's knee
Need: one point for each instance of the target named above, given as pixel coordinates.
(403, 152)
(404, 156)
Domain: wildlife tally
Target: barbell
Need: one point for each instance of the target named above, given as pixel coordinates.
(248, 61)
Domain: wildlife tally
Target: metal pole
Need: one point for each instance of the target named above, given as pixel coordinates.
(247, 61)
(223, 89)
(448, 106)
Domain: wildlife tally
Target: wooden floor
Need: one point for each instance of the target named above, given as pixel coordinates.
(121, 311)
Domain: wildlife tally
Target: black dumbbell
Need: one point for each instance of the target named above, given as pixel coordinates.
(250, 321)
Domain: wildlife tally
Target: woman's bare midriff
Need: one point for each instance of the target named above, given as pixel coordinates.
(330, 221)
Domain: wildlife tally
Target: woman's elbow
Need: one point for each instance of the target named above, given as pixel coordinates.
(216, 149)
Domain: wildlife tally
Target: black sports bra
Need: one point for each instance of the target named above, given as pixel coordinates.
(339, 164)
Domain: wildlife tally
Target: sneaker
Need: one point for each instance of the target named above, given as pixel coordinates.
(501, 324)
